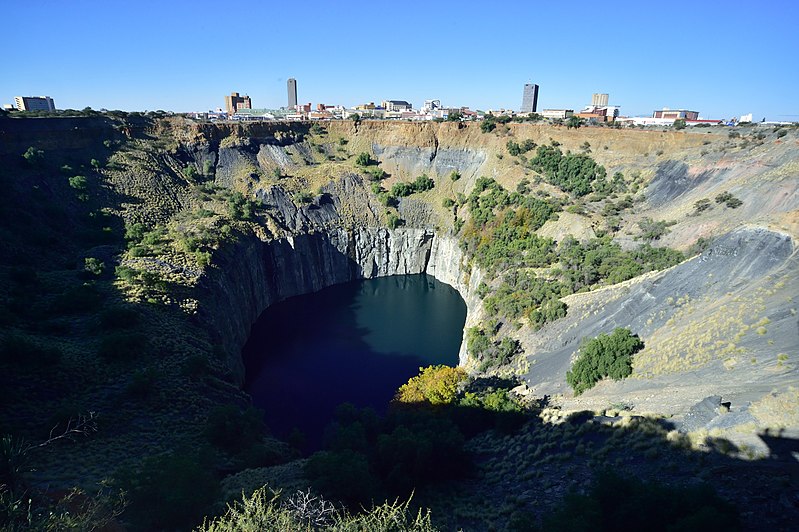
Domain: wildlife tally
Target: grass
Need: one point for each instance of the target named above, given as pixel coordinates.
(687, 343)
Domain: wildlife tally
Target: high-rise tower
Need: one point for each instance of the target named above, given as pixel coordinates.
(292, 88)
(599, 100)
(530, 98)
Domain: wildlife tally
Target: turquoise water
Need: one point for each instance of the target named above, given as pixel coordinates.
(355, 342)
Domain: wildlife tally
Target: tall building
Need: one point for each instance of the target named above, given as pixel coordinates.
(34, 103)
(292, 88)
(599, 100)
(234, 102)
(530, 98)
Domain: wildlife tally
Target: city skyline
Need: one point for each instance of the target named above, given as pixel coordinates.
(723, 61)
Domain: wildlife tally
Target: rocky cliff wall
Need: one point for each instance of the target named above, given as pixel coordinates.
(252, 275)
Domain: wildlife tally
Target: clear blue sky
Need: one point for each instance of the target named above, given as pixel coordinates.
(722, 58)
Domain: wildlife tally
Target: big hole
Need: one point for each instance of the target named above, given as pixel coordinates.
(355, 342)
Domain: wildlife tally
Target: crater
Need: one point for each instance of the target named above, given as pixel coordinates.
(356, 342)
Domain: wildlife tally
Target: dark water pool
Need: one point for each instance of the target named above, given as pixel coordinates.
(356, 342)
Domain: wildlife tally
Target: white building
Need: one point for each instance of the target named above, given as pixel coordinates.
(396, 106)
(555, 114)
(34, 103)
(431, 105)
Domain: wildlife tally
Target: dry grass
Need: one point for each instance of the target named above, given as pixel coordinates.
(778, 410)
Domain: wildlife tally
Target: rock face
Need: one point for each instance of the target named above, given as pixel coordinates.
(254, 274)
(414, 160)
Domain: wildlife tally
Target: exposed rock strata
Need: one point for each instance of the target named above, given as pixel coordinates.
(254, 274)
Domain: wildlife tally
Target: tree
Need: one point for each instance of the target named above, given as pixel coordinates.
(434, 385)
(78, 182)
(168, 492)
(454, 116)
(33, 155)
(190, 172)
(355, 117)
(394, 221)
(679, 124)
(574, 122)
(604, 356)
(364, 159)
(652, 229)
(488, 124)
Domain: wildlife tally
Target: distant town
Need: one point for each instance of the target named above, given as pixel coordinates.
(599, 112)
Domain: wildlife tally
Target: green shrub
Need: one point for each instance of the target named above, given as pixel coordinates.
(376, 173)
(79, 183)
(448, 203)
(169, 492)
(127, 273)
(699, 246)
(203, 258)
(195, 366)
(575, 174)
(33, 155)
(239, 207)
(343, 475)
(424, 450)
(395, 221)
(233, 430)
(303, 196)
(423, 183)
(728, 199)
(19, 350)
(701, 206)
(93, 266)
(617, 503)
(23, 276)
(142, 383)
(604, 356)
(364, 159)
(77, 299)
(119, 318)
(455, 175)
(723, 197)
(477, 342)
(122, 346)
(401, 190)
(653, 230)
